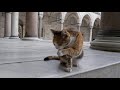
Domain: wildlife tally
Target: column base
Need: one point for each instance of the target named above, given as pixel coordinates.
(6, 37)
(14, 37)
(106, 45)
(31, 38)
(108, 40)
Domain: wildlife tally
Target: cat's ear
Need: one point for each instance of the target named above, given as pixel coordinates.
(64, 32)
(55, 31)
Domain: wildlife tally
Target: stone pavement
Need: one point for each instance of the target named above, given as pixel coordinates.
(24, 59)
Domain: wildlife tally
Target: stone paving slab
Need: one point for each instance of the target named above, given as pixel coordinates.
(50, 69)
(24, 59)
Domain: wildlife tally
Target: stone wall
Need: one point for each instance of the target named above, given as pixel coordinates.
(47, 32)
(2, 20)
(22, 16)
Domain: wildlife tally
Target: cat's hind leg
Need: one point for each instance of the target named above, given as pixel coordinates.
(77, 59)
(69, 65)
(75, 63)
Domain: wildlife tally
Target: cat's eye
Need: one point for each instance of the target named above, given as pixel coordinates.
(65, 36)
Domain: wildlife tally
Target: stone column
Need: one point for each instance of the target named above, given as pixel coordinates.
(7, 32)
(79, 27)
(108, 37)
(62, 21)
(40, 25)
(31, 32)
(14, 25)
(91, 29)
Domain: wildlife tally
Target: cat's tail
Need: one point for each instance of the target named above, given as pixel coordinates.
(81, 55)
(51, 58)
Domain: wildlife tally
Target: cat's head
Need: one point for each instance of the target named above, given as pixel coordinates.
(60, 38)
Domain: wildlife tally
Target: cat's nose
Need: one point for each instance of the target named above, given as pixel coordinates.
(56, 46)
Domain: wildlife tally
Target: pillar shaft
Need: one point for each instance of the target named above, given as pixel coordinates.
(14, 24)
(31, 32)
(40, 27)
(91, 30)
(108, 37)
(31, 24)
(62, 25)
(7, 24)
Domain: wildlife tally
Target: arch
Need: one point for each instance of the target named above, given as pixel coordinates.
(72, 20)
(86, 27)
(96, 28)
(51, 20)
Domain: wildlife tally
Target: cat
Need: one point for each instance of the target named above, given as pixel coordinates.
(70, 47)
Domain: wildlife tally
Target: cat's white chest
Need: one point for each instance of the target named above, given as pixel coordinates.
(72, 40)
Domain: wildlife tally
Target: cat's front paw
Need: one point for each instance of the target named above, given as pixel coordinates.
(68, 69)
(60, 53)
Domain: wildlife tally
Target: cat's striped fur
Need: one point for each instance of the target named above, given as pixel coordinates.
(70, 47)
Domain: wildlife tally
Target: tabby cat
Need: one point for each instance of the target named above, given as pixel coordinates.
(70, 47)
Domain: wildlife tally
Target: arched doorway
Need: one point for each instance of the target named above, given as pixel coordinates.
(86, 27)
(96, 28)
(72, 21)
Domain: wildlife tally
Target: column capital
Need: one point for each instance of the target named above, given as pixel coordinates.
(78, 24)
(40, 14)
(62, 21)
(91, 27)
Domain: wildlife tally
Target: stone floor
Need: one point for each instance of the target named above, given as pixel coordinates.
(24, 59)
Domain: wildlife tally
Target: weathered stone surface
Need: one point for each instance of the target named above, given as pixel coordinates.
(24, 59)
